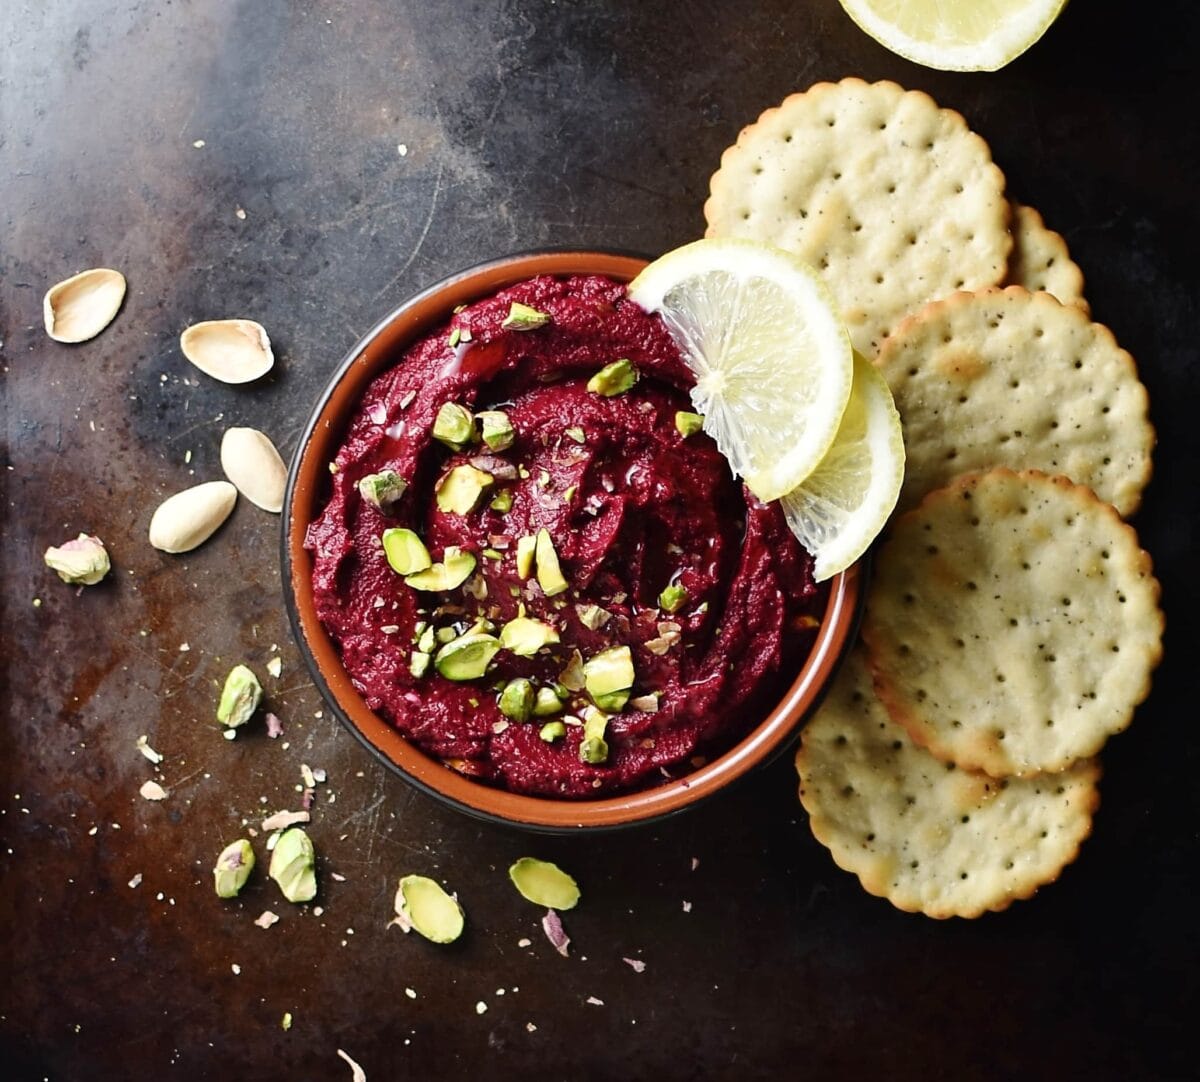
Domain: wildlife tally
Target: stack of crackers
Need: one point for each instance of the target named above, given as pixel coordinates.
(1012, 622)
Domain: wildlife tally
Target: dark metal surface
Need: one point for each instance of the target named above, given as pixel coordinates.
(524, 124)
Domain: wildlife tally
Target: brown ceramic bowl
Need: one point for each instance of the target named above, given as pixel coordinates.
(305, 491)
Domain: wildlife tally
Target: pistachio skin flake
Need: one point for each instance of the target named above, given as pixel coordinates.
(81, 562)
(293, 866)
(688, 424)
(239, 697)
(673, 598)
(382, 489)
(233, 868)
(516, 700)
(425, 906)
(521, 317)
(614, 379)
(544, 884)
(454, 426)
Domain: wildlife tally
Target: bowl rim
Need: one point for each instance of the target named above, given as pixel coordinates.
(406, 322)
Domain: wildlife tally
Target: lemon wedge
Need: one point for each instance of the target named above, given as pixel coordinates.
(772, 361)
(841, 507)
(956, 35)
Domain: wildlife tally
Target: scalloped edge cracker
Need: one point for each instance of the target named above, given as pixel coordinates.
(893, 199)
(1041, 262)
(1012, 623)
(928, 837)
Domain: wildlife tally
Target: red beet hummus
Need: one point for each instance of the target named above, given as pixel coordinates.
(631, 505)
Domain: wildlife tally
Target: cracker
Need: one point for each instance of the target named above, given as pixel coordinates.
(1040, 261)
(927, 836)
(1006, 377)
(893, 199)
(1012, 623)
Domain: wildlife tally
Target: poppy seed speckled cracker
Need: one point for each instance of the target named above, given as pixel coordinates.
(1040, 261)
(1006, 377)
(894, 200)
(926, 835)
(1012, 623)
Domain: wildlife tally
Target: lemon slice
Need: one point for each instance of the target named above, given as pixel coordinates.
(956, 35)
(841, 507)
(772, 361)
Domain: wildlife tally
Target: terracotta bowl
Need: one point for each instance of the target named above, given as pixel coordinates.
(305, 491)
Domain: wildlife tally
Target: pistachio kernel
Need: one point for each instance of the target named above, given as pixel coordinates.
(516, 700)
(239, 697)
(496, 429)
(521, 317)
(424, 906)
(456, 567)
(459, 490)
(577, 434)
(418, 663)
(688, 424)
(293, 865)
(673, 598)
(454, 426)
(382, 489)
(549, 572)
(613, 379)
(233, 868)
(552, 731)
(467, 657)
(525, 636)
(502, 501)
(405, 551)
(544, 884)
(81, 562)
(609, 671)
(546, 703)
(593, 748)
(526, 549)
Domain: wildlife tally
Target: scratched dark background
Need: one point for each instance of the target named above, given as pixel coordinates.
(374, 148)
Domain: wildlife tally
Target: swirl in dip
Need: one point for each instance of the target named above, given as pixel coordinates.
(631, 507)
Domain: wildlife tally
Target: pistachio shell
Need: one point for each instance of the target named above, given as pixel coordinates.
(191, 517)
(231, 350)
(82, 306)
(251, 462)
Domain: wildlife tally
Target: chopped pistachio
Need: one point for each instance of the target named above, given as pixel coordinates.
(493, 554)
(516, 700)
(467, 657)
(608, 671)
(523, 473)
(592, 617)
(613, 379)
(577, 434)
(525, 636)
(454, 426)
(688, 424)
(456, 567)
(233, 868)
(552, 731)
(455, 335)
(572, 677)
(423, 905)
(286, 1023)
(293, 865)
(673, 598)
(526, 548)
(612, 701)
(445, 634)
(647, 704)
(521, 317)
(239, 697)
(569, 493)
(544, 884)
(405, 551)
(81, 562)
(496, 429)
(593, 748)
(546, 703)
(427, 639)
(549, 573)
(459, 490)
(382, 489)
(418, 663)
(502, 501)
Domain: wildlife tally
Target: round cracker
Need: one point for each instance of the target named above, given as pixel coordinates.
(895, 200)
(927, 836)
(1006, 377)
(1012, 623)
(1040, 261)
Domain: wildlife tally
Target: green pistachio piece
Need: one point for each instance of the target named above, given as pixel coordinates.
(459, 490)
(502, 501)
(571, 678)
(516, 700)
(592, 617)
(496, 429)
(82, 562)
(544, 884)
(523, 318)
(549, 573)
(613, 701)
(445, 634)
(454, 426)
(454, 570)
(577, 434)
(428, 639)
(467, 657)
(546, 704)
(673, 598)
(525, 636)
(425, 907)
(552, 731)
(454, 337)
(688, 424)
(239, 697)
(608, 671)
(418, 663)
(233, 868)
(382, 489)
(593, 748)
(405, 551)
(613, 379)
(293, 865)
(526, 548)
(493, 554)
(569, 493)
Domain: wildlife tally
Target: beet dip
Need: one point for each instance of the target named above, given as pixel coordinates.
(631, 507)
